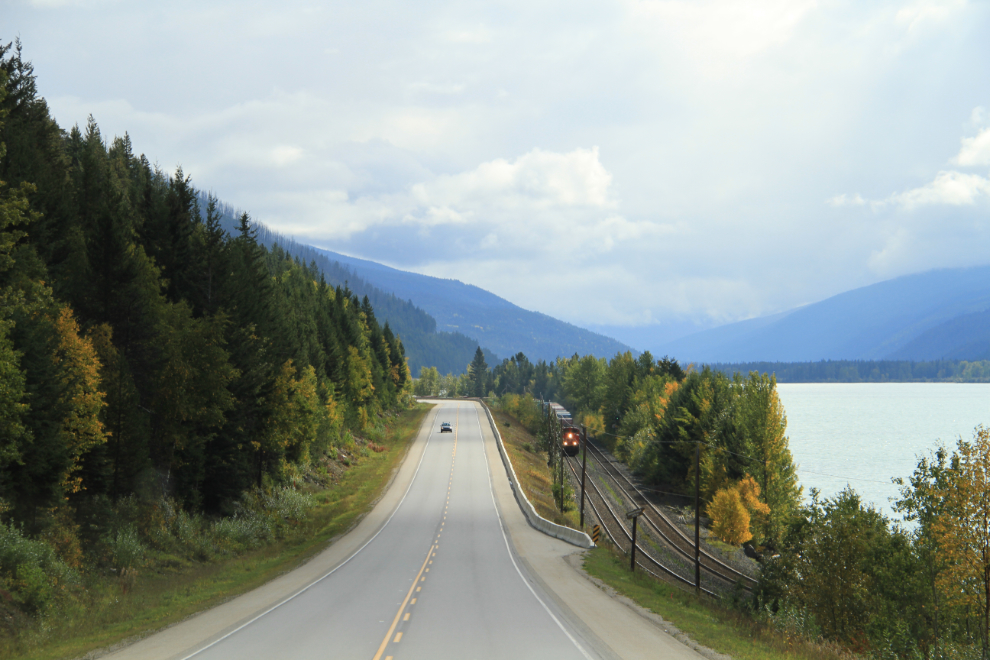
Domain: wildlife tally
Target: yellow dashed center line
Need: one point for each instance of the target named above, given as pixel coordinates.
(395, 621)
(420, 577)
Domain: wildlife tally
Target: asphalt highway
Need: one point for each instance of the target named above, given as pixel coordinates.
(438, 580)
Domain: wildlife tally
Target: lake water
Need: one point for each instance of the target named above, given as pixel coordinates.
(863, 434)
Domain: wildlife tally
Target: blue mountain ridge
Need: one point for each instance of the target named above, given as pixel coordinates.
(501, 326)
(932, 315)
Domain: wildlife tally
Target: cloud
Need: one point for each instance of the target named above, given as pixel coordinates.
(847, 200)
(922, 13)
(975, 150)
(538, 179)
(950, 188)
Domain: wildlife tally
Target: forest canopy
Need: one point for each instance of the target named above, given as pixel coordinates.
(143, 346)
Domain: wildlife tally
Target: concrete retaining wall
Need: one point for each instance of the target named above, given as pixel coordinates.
(572, 536)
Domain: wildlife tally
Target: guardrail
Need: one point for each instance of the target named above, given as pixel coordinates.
(572, 536)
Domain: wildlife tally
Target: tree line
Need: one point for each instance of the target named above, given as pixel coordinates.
(867, 371)
(143, 348)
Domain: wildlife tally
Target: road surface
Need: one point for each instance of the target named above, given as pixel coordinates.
(445, 566)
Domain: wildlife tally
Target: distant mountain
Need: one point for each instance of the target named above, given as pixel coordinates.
(503, 327)
(939, 314)
(449, 352)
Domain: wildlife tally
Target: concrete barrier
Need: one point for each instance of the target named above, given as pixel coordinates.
(572, 536)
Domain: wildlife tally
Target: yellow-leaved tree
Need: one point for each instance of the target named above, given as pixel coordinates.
(749, 493)
(730, 519)
(78, 370)
(963, 533)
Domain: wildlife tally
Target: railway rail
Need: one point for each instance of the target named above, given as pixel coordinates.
(670, 534)
(612, 523)
(667, 529)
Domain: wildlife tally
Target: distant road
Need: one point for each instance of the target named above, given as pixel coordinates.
(444, 567)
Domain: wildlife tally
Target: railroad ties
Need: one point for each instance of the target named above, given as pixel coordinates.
(672, 553)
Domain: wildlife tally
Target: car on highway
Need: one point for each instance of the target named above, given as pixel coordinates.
(446, 428)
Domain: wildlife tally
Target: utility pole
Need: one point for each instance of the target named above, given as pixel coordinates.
(634, 514)
(584, 467)
(562, 476)
(697, 519)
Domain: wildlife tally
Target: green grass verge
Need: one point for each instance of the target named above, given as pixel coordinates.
(156, 601)
(726, 631)
(531, 469)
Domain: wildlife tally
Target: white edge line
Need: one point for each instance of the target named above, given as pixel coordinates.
(338, 566)
(501, 526)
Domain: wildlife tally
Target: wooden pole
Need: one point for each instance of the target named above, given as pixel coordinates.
(697, 519)
(632, 552)
(584, 467)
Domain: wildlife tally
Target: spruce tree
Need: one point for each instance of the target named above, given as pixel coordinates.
(478, 372)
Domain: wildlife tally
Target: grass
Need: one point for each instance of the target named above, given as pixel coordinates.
(724, 630)
(119, 611)
(532, 471)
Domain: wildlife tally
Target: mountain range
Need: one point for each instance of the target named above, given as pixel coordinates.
(441, 322)
(494, 322)
(938, 314)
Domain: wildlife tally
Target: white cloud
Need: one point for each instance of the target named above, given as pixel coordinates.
(975, 150)
(538, 179)
(847, 200)
(950, 188)
(283, 155)
(722, 34)
(922, 13)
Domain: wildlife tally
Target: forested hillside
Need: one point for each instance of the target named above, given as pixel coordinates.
(449, 352)
(491, 321)
(143, 347)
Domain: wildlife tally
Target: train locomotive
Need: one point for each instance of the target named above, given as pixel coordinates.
(570, 434)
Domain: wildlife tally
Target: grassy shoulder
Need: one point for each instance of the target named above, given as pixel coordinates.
(724, 630)
(122, 608)
(532, 470)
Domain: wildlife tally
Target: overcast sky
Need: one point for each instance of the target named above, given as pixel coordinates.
(622, 163)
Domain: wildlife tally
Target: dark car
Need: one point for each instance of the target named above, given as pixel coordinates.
(446, 428)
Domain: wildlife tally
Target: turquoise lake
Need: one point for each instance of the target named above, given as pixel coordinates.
(864, 434)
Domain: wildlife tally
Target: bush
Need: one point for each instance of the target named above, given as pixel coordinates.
(126, 549)
(31, 571)
(730, 519)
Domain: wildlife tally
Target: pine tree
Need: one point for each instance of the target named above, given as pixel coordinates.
(478, 374)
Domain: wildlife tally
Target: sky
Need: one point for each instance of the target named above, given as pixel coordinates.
(643, 167)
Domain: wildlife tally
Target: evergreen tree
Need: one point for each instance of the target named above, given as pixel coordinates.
(478, 374)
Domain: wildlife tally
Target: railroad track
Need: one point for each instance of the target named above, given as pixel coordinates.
(665, 528)
(617, 533)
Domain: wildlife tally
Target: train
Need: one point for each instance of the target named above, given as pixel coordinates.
(570, 433)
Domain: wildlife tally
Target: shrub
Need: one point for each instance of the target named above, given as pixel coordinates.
(31, 570)
(730, 519)
(126, 549)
